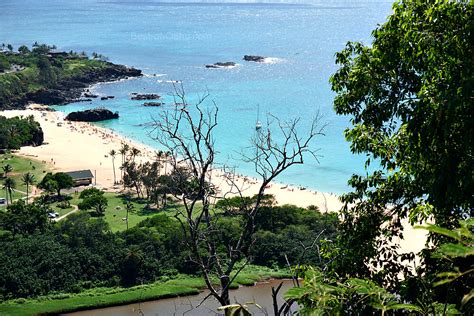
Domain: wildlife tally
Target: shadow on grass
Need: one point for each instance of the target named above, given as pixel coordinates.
(148, 207)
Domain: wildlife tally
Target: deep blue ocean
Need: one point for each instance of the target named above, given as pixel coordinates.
(176, 40)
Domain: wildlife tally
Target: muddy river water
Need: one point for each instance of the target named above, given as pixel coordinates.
(261, 293)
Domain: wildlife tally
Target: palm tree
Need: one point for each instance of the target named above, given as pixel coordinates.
(6, 169)
(167, 155)
(9, 184)
(123, 151)
(28, 179)
(112, 154)
(158, 155)
(129, 207)
(134, 152)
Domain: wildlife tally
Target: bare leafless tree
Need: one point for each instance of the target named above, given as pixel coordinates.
(187, 132)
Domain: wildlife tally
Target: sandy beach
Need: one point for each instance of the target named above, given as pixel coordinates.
(73, 146)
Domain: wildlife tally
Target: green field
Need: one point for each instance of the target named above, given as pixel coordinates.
(104, 297)
(116, 213)
(20, 165)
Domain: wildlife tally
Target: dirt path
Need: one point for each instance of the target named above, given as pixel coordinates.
(57, 219)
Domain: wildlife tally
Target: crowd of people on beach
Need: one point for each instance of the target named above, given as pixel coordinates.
(110, 137)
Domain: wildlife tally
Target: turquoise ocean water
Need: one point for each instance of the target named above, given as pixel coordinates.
(176, 40)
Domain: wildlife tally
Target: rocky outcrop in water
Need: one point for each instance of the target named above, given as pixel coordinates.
(107, 97)
(254, 58)
(145, 96)
(94, 115)
(153, 104)
(227, 64)
(90, 95)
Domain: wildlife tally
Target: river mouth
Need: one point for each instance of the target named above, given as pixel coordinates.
(260, 293)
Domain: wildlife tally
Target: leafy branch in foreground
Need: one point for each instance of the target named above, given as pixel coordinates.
(321, 295)
(463, 248)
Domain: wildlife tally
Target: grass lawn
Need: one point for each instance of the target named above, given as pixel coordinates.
(61, 211)
(103, 297)
(21, 166)
(116, 211)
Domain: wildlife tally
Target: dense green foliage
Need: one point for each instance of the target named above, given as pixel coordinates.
(18, 131)
(93, 199)
(38, 257)
(23, 219)
(409, 95)
(55, 182)
(286, 231)
(4, 64)
(321, 294)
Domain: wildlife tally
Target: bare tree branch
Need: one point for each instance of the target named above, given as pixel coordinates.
(187, 132)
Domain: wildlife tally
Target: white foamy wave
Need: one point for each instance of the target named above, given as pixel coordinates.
(272, 60)
(169, 81)
(153, 75)
(226, 67)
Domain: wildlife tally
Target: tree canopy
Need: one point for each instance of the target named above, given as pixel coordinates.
(56, 182)
(18, 131)
(409, 98)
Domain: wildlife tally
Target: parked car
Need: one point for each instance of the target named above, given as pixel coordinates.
(3, 201)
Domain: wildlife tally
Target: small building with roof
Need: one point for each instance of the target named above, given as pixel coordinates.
(81, 177)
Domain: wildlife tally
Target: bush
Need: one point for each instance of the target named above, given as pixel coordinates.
(64, 205)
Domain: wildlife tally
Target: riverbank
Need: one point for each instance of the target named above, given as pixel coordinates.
(106, 297)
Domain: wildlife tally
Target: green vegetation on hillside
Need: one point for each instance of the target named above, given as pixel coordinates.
(28, 71)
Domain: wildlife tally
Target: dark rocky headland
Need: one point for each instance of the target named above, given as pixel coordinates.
(49, 77)
(71, 89)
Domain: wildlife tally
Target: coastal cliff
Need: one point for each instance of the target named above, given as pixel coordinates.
(52, 78)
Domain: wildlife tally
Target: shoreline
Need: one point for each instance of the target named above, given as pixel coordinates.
(82, 145)
(79, 145)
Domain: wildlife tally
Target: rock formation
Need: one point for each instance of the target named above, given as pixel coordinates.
(94, 115)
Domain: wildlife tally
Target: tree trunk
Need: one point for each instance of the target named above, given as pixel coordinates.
(113, 167)
(126, 220)
(225, 283)
(137, 187)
